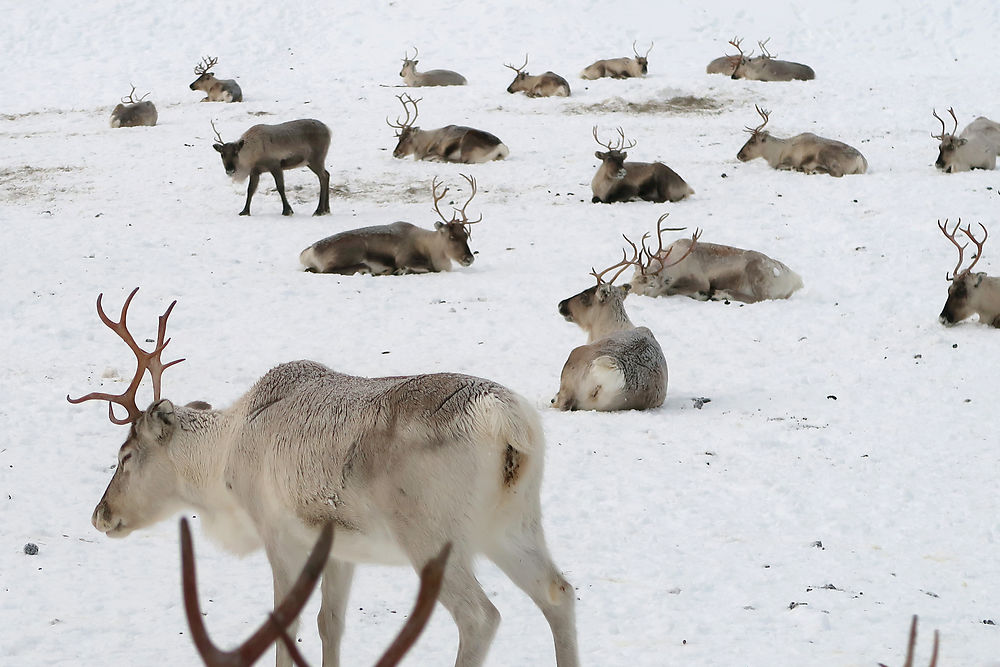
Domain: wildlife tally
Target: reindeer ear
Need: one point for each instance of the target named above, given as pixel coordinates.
(979, 277)
(599, 155)
(438, 225)
(158, 420)
(962, 142)
(626, 288)
(217, 147)
(239, 144)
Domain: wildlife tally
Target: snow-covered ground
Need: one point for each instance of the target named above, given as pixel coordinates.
(841, 479)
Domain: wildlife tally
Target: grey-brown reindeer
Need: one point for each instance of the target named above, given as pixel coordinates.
(806, 152)
(216, 90)
(274, 148)
(970, 293)
(398, 248)
(617, 180)
(976, 147)
(766, 67)
(434, 77)
(134, 112)
(451, 143)
(405, 464)
(619, 68)
(548, 84)
(622, 366)
(710, 271)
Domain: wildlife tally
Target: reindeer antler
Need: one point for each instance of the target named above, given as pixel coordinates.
(625, 262)
(461, 211)
(406, 100)
(129, 99)
(646, 55)
(659, 239)
(620, 146)
(518, 69)
(765, 114)
(206, 65)
(944, 132)
(961, 248)
(763, 48)
(145, 361)
(217, 135)
(407, 58)
(912, 644)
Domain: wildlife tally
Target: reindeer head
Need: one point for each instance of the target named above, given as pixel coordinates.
(758, 137)
(405, 127)
(519, 76)
(455, 231)
(144, 488)
(230, 152)
(650, 274)
(409, 64)
(739, 61)
(949, 145)
(963, 293)
(205, 77)
(615, 156)
(643, 60)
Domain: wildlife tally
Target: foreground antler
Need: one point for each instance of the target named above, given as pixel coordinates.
(625, 262)
(145, 361)
(912, 644)
(274, 628)
(765, 114)
(961, 248)
(406, 100)
(944, 132)
(457, 211)
(206, 65)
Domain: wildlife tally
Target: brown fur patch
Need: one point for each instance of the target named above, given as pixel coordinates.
(511, 466)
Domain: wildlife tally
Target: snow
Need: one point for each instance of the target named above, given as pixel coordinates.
(845, 416)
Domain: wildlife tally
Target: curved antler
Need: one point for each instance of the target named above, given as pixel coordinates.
(620, 146)
(961, 248)
(625, 262)
(144, 361)
(944, 132)
(765, 114)
(130, 99)
(408, 123)
(646, 55)
(206, 65)
(763, 49)
(407, 58)
(659, 240)
(217, 135)
(518, 69)
(461, 211)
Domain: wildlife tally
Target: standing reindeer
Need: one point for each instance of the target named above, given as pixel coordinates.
(622, 366)
(709, 271)
(970, 293)
(451, 143)
(274, 148)
(217, 90)
(398, 248)
(617, 180)
(402, 465)
(434, 77)
(804, 152)
(976, 148)
(766, 67)
(549, 84)
(134, 112)
(619, 68)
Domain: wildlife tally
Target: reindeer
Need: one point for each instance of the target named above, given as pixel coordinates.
(970, 293)
(619, 68)
(402, 465)
(398, 248)
(451, 143)
(134, 112)
(617, 180)
(217, 90)
(804, 152)
(622, 366)
(274, 148)
(721, 65)
(249, 651)
(976, 148)
(434, 77)
(549, 84)
(708, 271)
(766, 67)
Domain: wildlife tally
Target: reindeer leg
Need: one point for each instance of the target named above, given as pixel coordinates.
(251, 188)
(324, 189)
(286, 560)
(279, 183)
(336, 587)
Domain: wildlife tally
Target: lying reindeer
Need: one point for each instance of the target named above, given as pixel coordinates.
(622, 366)
(708, 271)
(617, 180)
(274, 148)
(217, 90)
(549, 84)
(434, 77)
(399, 248)
(805, 152)
(976, 148)
(765, 67)
(970, 293)
(404, 464)
(619, 68)
(134, 112)
(451, 143)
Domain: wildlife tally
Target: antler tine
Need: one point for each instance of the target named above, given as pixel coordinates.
(646, 55)
(961, 248)
(763, 48)
(406, 100)
(415, 52)
(518, 69)
(633, 48)
(943, 130)
(979, 244)
(912, 642)
(461, 211)
(765, 114)
(952, 112)
(606, 145)
(248, 652)
(145, 96)
(128, 98)
(690, 249)
(624, 264)
(437, 198)
(622, 146)
(431, 577)
(206, 64)
(217, 135)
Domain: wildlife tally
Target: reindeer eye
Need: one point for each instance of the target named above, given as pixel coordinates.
(126, 458)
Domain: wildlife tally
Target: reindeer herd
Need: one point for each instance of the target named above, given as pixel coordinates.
(402, 466)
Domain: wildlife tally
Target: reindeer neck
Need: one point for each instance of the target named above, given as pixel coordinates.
(611, 319)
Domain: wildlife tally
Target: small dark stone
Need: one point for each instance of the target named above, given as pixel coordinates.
(954, 346)
(724, 175)
(31, 549)
(832, 397)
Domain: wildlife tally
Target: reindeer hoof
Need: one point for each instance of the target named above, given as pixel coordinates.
(287, 211)
(245, 211)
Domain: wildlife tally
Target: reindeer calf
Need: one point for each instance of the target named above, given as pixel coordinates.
(622, 366)
(976, 148)
(217, 90)
(970, 293)
(396, 249)
(617, 180)
(619, 68)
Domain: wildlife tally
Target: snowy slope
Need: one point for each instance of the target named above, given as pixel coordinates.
(845, 416)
